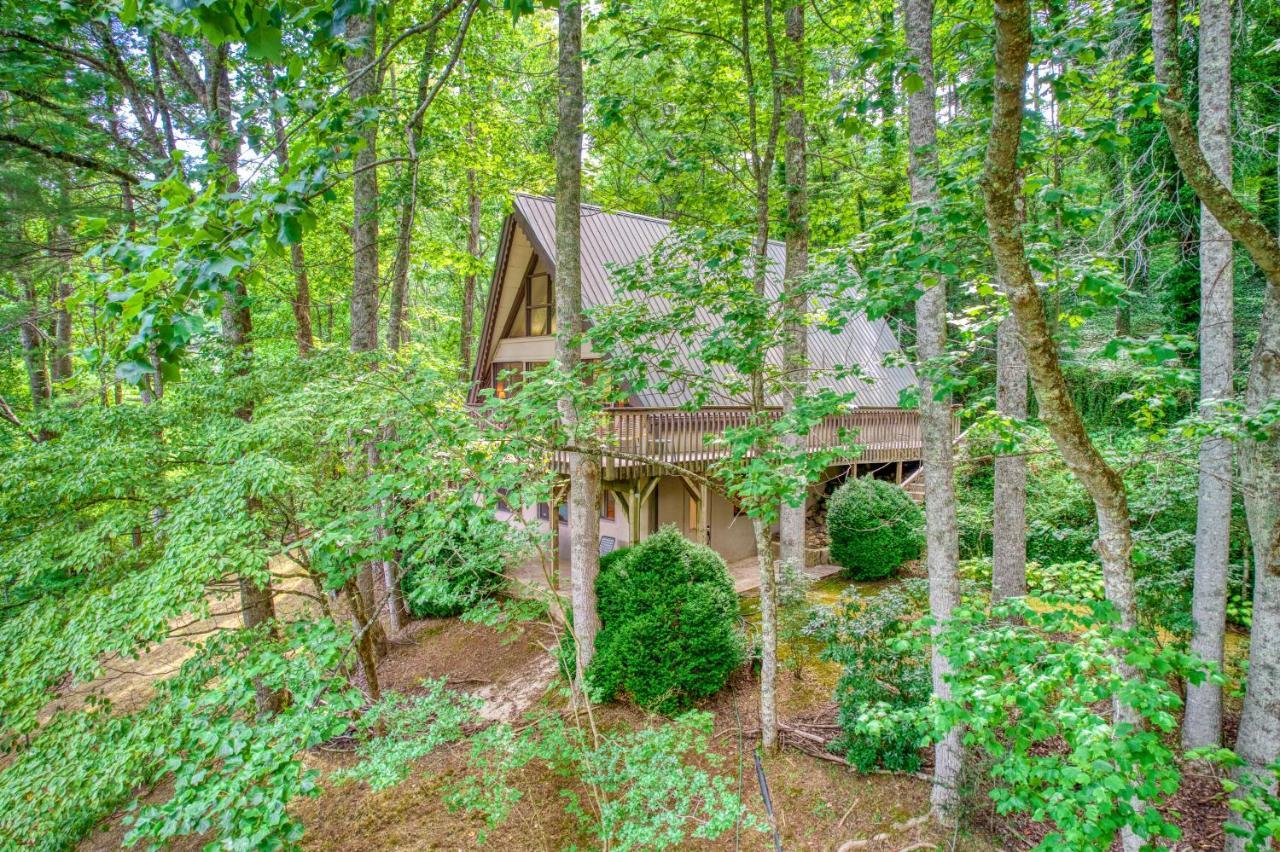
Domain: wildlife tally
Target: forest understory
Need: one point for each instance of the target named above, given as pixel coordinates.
(893, 389)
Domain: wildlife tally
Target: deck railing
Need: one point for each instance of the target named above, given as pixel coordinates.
(641, 437)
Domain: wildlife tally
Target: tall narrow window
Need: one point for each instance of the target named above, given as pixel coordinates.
(539, 306)
(608, 509)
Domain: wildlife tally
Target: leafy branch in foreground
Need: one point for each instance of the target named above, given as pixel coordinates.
(645, 788)
(1030, 686)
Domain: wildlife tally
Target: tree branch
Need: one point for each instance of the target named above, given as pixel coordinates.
(6, 414)
(1185, 142)
(68, 157)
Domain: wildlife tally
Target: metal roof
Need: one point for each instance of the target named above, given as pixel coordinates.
(614, 239)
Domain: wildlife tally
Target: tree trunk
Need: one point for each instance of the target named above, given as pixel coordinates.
(302, 287)
(1009, 529)
(61, 363)
(762, 168)
(365, 650)
(257, 602)
(33, 349)
(469, 281)
(1202, 722)
(768, 636)
(397, 612)
(366, 586)
(1002, 190)
(363, 82)
(935, 408)
(584, 468)
(795, 344)
(408, 207)
(224, 142)
(364, 191)
(1258, 741)
(257, 606)
(400, 266)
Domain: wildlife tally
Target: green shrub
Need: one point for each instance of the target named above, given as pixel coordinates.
(455, 565)
(885, 684)
(1034, 687)
(1062, 525)
(874, 527)
(668, 615)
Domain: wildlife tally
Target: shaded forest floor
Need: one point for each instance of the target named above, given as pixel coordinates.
(819, 804)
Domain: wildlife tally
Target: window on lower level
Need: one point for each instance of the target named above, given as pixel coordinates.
(504, 377)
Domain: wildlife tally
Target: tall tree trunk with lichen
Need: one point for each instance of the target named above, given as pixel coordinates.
(257, 598)
(1258, 741)
(301, 301)
(1002, 192)
(1009, 525)
(60, 364)
(363, 83)
(762, 161)
(362, 78)
(935, 406)
(469, 280)
(1202, 721)
(584, 467)
(408, 206)
(791, 532)
(33, 349)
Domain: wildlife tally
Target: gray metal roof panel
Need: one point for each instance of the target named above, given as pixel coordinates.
(612, 239)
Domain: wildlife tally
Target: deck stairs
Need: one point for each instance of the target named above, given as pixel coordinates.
(914, 484)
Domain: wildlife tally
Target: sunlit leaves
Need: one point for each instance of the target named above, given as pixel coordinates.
(1029, 686)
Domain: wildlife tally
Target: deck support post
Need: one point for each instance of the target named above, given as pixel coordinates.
(557, 494)
(704, 514)
(634, 498)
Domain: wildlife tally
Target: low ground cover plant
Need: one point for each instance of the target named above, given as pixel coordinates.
(885, 684)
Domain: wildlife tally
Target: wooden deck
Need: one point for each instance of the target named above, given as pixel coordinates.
(645, 441)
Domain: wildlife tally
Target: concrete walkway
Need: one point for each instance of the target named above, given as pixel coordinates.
(531, 580)
(746, 574)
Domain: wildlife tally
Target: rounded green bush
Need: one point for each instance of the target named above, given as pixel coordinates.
(668, 614)
(452, 567)
(874, 527)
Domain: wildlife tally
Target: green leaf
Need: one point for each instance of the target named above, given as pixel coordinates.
(133, 371)
(290, 230)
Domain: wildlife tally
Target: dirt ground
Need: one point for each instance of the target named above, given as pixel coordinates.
(819, 805)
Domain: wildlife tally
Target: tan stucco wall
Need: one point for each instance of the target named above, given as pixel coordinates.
(731, 537)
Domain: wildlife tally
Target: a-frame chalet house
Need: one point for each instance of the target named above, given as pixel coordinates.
(518, 334)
